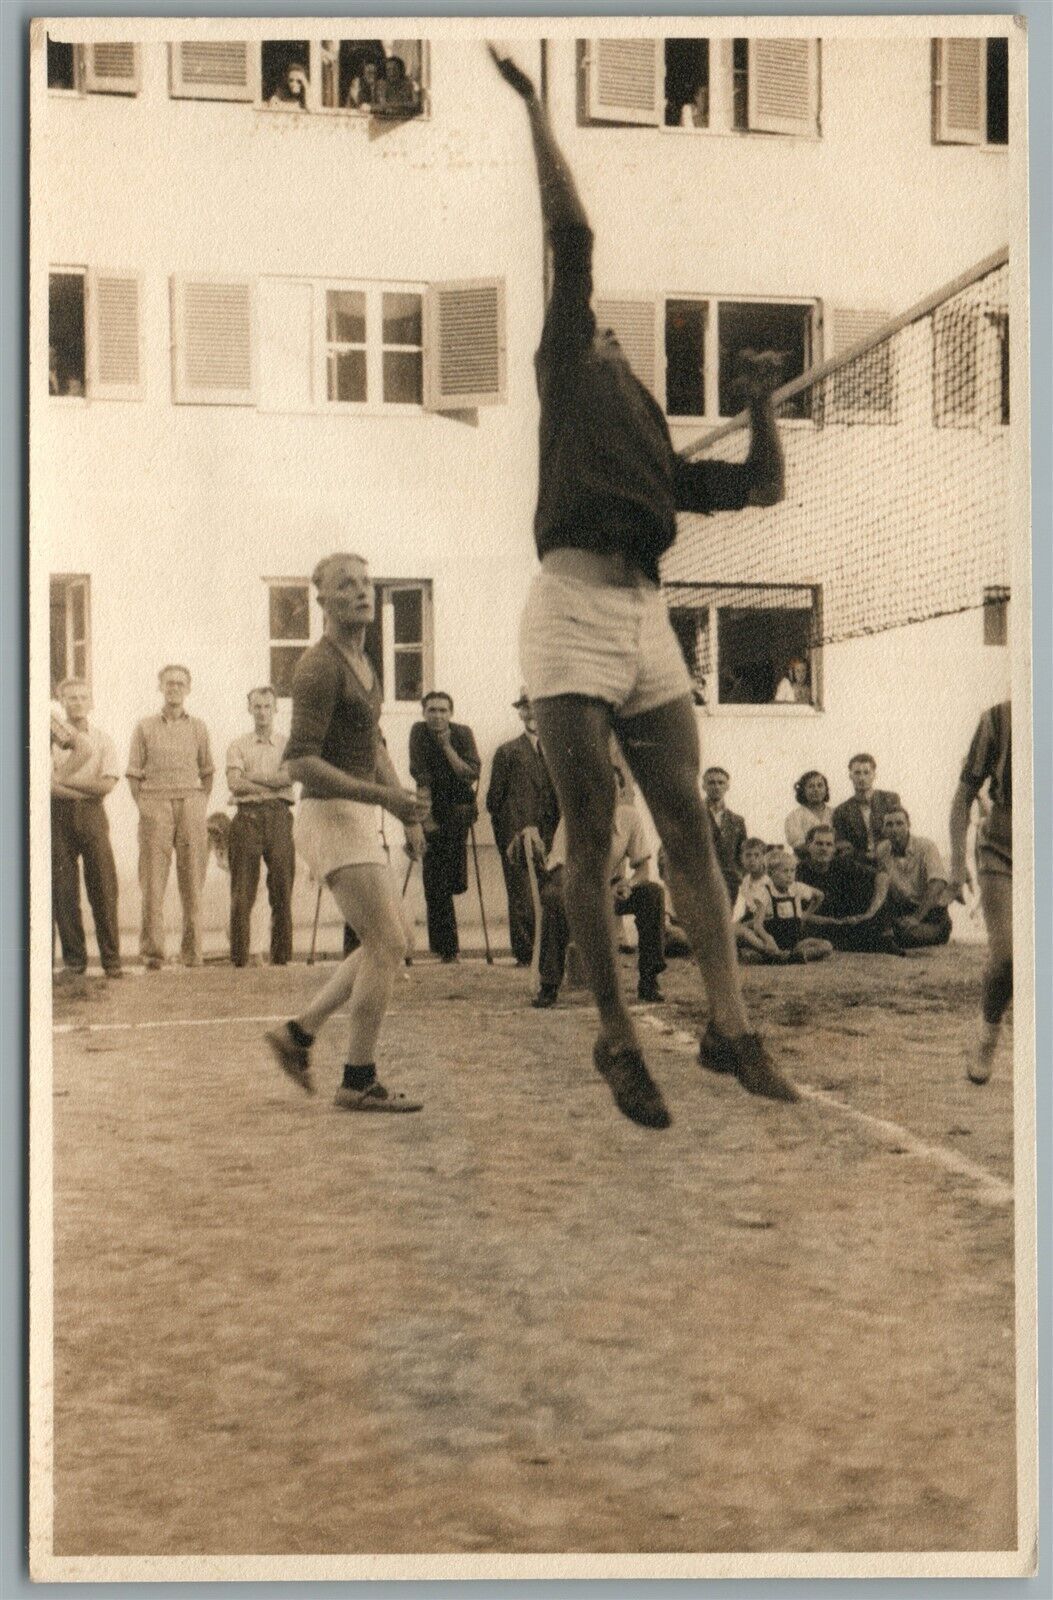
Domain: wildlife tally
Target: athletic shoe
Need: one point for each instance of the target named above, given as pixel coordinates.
(546, 996)
(747, 1058)
(635, 1092)
(981, 1066)
(293, 1058)
(650, 994)
(374, 1098)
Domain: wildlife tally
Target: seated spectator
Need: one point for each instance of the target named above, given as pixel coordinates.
(794, 688)
(676, 941)
(729, 829)
(635, 896)
(918, 892)
(859, 823)
(779, 924)
(396, 94)
(812, 793)
(855, 914)
(291, 93)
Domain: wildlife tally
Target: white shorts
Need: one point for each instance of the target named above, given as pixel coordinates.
(330, 834)
(603, 641)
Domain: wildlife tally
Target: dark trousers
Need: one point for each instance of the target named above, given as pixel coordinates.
(80, 831)
(445, 873)
(520, 909)
(646, 906)
(934, 928)
(262, 833)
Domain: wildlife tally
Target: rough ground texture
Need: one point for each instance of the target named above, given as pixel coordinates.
(517, 1322)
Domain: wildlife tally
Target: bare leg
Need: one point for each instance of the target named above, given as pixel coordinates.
(367, 901)
(996, 898)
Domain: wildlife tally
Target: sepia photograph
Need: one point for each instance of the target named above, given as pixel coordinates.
(529, 548)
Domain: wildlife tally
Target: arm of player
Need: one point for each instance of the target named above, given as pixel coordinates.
(385, 772)
(760, 480)
(961, 807)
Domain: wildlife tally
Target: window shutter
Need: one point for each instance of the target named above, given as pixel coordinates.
(111, 68)
(862, 390)
(212, 329)
(464, 345)
(783, 86)
(114, 315)
(212, 69)
(624, 81)
(961, 91)
(634, 324)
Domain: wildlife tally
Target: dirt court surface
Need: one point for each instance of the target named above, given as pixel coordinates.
(516, 1322)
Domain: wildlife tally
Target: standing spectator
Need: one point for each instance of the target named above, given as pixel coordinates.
(859, 823)
(83, 771)
(445, 763)
(729, 829)
(170, 775)
(262, 790)
(855, 914)
(918, 891)
(521, 799)
(812, 793)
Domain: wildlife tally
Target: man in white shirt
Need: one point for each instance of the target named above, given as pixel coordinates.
(636, 896)
(918, 892)
(83, 771)
(261, 831)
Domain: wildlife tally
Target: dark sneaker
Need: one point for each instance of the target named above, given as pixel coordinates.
(649, 994)
(980, 1068)
(635, 1092)
(545, 997)
(747, 1058)
(374, 1098)
(293, 1058)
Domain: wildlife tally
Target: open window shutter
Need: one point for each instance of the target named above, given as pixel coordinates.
(115, 369)
(783, 82)
(634, 325)
(861, 390)
(212, 69)
(212, 357)
(626, 81)
(464, 345)
(961, 84)
(111, 68)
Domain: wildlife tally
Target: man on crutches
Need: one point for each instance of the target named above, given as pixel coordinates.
(444, 764)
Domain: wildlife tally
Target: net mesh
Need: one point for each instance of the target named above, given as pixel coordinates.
(897, 491)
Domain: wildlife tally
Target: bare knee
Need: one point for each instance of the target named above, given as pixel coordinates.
(386, 946)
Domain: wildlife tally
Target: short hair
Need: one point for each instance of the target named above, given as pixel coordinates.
(262, 688)
(820, 827)
(751, 844)
(724, 773)
(318, 576)
(175, 666)
(436, 694)
(72, 683)
(778, 852)
(896, 811)
(799, 786)
(863, 756)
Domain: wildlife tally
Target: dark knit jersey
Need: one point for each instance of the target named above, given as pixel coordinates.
(609, 479)
(333, 715)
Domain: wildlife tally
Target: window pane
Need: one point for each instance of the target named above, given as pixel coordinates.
(79, 629)
(755, 647)
(290, 611)
(998, 91)
(687, 83)
(374, 640)
(285, 72)
(407, 606)
(692, 633)
(409, 674)
(749, 325)
(58, 632)
(345, 316)
(685, 354)
(401, 319)
(740, 56)
(283, 664)
(347, 375)
(61, 70)
(66, 333)
(403, 377)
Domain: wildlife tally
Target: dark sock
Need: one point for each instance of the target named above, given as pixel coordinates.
(298, 1036)
(359, 1077)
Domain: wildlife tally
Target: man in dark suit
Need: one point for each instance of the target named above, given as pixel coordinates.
(859, 823)
(521, 796)
(445, 766)
(729, 829)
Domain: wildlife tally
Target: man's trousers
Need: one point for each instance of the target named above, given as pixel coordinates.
(80, 832)
(261, 833)
(167, 825)
(645, 904)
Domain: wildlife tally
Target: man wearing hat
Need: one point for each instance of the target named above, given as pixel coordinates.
(521, 797)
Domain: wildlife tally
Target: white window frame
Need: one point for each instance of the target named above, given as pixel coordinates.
(314, 622)
(384, 588)
(712, 705)
(81, 88)
(711, 375)
(374, 292)
(314, 105)
(70, 581)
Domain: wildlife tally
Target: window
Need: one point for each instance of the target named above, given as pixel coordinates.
(385, 78)
(93, 334)
(70, 629)
(398, 642)
(93, 68)
(703, 341)
(67, 366)
(714, 85)
(285, 74)
(996, 616)
(748, 644)
(970, 91)
(373, 345)
(289, 632)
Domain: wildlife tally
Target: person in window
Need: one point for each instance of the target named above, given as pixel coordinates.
(794, 688)
(812, 793)
(445, 765)
(396, 94)
(859, 822)
(362, 90)
(291, 93)
(918, 892)
(597, 647)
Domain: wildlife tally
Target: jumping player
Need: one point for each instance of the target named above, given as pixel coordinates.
(990, 761)
(597, 648)
(336, 752)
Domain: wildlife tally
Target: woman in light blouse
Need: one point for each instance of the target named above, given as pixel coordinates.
(812, 793)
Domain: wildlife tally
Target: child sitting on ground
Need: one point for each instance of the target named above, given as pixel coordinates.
(751, 941)
(780, 920)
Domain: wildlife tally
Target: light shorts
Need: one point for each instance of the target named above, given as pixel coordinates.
(994, 845)
(330, 834)
(600, 640)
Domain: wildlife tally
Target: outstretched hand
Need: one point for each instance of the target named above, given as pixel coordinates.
(513, 76)
(758, 373)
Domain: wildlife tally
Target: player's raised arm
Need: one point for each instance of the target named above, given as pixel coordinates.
(760, 480)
